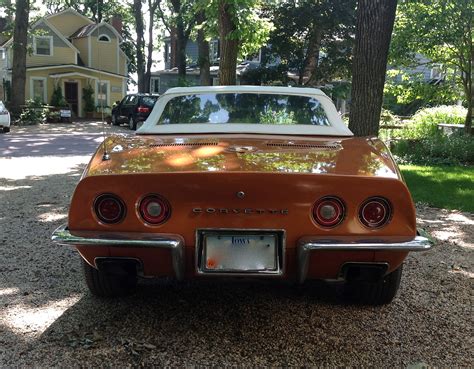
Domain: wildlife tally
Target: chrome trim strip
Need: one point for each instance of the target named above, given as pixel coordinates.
(422, 242)
(175, 243)
(281, 268)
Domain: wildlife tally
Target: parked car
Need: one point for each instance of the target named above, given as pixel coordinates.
(247, 181)
(134, 109)
(4, 118)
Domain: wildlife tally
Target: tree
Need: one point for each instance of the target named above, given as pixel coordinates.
(242, 30)
(140, 44)
(374, 26)
(441, 30)
(179, 24)
(20, 39)
(203, 50)
(314, 38)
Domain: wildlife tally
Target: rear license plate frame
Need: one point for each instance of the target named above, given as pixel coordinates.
(202, 234)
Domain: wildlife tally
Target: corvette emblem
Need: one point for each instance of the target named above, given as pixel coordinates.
(240, 211)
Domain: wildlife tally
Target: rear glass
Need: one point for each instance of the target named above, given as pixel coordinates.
(149, 101)
(221, 108)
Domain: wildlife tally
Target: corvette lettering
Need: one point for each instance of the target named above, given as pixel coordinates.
(239, 211)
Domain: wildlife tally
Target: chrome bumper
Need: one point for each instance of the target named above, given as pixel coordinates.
(175, 243)
(422, 242)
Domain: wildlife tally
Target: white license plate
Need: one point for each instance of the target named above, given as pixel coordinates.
(240, 253)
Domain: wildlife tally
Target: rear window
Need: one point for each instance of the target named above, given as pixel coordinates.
(149, 101)
(252, 108)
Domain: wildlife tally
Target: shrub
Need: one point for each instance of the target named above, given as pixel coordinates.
(88, 97)
(452, 150)
(57, 98)
(34, 112)
(424, 123)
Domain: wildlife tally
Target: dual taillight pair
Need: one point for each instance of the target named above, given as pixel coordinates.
(153, 209)
(330, 211)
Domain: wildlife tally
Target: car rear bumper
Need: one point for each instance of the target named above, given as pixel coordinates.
(306, 245)
(175, 243)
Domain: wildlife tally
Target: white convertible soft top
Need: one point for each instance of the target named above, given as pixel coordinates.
(336, 128)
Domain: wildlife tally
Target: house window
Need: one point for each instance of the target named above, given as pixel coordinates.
(38, 90)
(155, 85)
(43, 45)
(2, 54)
(104, 38)
(437, 71)
(102, 89)
(167, 52)
(214, 50)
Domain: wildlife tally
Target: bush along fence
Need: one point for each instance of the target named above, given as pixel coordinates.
(431, 136)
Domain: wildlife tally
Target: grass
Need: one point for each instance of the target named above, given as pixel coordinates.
(448, 187)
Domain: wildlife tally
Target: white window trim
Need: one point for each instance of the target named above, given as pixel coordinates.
(436, 68)
(50, 45)
(215, 45)
(97, 90)
(104, 35)
(152, 84)
(45, 90)
(258, 60)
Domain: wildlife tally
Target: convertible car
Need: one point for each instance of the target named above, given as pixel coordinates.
(243, 181)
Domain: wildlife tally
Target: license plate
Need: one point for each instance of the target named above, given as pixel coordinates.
(239, 253)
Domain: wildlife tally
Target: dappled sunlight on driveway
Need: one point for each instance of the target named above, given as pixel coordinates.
(21, 168)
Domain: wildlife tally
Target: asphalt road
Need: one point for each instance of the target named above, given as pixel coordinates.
(48, 317)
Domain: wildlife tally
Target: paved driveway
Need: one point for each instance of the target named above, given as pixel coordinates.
(48, 318)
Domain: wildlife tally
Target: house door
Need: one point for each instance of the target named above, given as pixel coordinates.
(71, 94)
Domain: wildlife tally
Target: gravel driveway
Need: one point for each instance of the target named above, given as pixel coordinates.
(48, 318)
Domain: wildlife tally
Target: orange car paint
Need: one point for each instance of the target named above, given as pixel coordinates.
(276, 173)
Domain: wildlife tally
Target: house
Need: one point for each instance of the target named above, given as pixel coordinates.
(70, 51)
(164, 79)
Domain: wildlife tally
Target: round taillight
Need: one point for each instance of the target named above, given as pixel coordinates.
(375, 212)
(154, 209)
(328, 211)
(109, 208)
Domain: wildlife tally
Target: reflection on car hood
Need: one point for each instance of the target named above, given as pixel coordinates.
(245, 153)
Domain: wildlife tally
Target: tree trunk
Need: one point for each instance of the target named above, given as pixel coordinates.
(137, 12)
(203, 51)
(312, 57)
(181, 41)
(228, 48)
(374, 27)
(152, 6)
(20, 39)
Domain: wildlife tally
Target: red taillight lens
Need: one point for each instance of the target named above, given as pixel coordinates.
(154, 209)
(375, 212)
(143, 109)
(109, 208)
(328, 211)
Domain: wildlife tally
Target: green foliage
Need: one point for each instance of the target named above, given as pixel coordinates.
(34, 112)
(441, 30)
(277, 117)
(88, 97)
(252, 26)
(298, 23)
(424, 124)
(57, 98)
(449, 150)
(277, 75)
(448, 187)
(405, 97)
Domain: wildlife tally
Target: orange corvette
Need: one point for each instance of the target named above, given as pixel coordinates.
(258, 182)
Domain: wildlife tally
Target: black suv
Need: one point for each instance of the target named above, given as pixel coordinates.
(133, 109)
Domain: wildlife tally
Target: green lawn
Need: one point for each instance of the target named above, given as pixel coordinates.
(449, 187)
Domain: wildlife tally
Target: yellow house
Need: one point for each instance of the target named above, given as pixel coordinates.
(69, 50)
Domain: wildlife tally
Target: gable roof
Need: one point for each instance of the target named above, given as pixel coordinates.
(72, 11)
(52, 28)
(90, 28)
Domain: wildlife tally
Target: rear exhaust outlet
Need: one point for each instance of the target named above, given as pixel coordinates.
(118, 266)
(364, 272)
